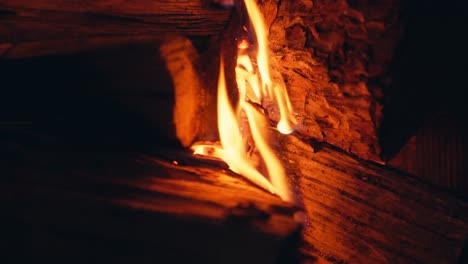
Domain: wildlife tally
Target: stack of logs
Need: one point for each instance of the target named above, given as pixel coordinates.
(357, 212)
(334, 57)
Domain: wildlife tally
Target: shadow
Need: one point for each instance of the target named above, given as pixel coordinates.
(428, 71)
(119, 97)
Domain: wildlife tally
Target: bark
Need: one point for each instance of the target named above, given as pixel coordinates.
(334, 57)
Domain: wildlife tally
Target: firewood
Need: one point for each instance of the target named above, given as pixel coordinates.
(180, 57)
(359, 212)
(322, 49)
(194, 114)
(40, 23)
(356, 212)
(139, 208)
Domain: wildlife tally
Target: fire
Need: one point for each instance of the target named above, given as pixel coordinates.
(244, 129)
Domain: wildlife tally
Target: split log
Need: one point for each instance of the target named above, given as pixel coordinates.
(106, 206)
(358, 212)
(335, 57)
(35, 24)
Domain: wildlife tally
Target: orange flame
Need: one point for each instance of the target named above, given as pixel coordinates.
(254, 88)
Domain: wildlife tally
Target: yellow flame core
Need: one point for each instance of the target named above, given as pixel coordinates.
(235, 125)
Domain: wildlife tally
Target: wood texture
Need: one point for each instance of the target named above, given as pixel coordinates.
(67, 205)
(336, 91)
(355, 212)
(364, 213)
(194, 99)
(335, 58)
(33, 23)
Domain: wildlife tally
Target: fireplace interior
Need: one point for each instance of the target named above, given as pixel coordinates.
(101, 101)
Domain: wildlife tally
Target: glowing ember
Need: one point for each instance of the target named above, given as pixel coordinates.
(243, 130)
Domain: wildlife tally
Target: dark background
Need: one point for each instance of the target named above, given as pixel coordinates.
(429, 70)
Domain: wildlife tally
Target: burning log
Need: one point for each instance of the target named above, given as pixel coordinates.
(155, 208)
(138, 208)
(358, 212)
(28, 27)
(334, 57)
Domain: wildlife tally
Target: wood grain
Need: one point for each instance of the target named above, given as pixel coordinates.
(138, 208)
(356, 212)
(37, 22)
(360, 212)
(335, 58)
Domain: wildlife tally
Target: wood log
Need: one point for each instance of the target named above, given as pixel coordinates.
(334, 93)
(107, 206)
(356, 212)
(190, 97)
(334, 57)
(39, 23)
(359, 212)
(194, 93)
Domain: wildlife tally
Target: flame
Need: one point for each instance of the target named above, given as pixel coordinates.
(276, 91)
(244, 129)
